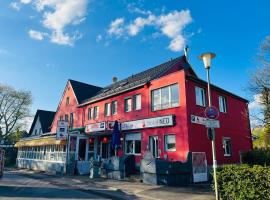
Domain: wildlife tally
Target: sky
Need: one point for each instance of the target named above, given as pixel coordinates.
(43, 43)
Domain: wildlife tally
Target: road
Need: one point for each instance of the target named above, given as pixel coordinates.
(14, 186)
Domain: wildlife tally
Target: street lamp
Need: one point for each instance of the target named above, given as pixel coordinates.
(206, 58)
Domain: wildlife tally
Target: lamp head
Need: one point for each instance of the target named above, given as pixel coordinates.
(206, 57)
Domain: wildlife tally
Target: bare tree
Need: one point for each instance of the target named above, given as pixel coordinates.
(14, 108)
(260, 80)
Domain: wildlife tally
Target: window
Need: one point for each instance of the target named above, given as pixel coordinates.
(137, 102)
(114, 107)
(133, 143)
(96, 112)
(61, 118)
(66, 118)
(90, 113)
(67, 101)
(107, 109)
(71, 120)
(227, 146)
(166, 97)
(222, 104)
(170, 143)
(128, 104)
(200, 96)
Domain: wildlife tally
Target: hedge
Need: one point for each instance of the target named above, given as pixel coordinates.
(257, 157)
(244, 182)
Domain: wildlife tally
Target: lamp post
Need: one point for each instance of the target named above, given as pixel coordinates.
(206, 58)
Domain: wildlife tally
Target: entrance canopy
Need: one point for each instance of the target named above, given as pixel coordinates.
(40, 142)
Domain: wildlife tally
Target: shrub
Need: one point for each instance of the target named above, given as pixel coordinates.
(243, 182)
(257, 157)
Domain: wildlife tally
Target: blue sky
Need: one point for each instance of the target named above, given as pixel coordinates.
(45, 42)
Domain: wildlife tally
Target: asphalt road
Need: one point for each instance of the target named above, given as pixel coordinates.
(14, 186)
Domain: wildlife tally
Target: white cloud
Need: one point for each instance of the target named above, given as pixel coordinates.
(58, 15)
(98, 38)
(255, 110)
(139, 23)
(171, 25)
(36, 35)
(116, 27)
(177, 43)
(15, 6)
(256, 103)
(25, 1)
(133, 9)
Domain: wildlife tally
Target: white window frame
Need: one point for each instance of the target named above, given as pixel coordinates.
(133, 137)
(222, 101)
(160, 106)
(137, 104)
(107, 109)
(96, 112)
(224, 139)
(125, 101)
(89, 113)
(114, 105)
(166, 144)
(200, 100)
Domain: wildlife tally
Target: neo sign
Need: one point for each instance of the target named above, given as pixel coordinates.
(211, 112)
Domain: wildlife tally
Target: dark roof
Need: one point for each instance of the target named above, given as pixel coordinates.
(139, 79)
(83, 91)
(46, 118)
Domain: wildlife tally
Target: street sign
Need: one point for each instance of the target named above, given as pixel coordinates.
(211, 112)
(209, 123)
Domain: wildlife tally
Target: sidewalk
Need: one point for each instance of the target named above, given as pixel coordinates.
(121, 189)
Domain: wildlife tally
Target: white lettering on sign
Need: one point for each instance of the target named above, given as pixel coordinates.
(95, 127)
(148, 123)
(209, 123)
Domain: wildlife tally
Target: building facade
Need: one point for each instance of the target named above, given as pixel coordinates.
(160, 110)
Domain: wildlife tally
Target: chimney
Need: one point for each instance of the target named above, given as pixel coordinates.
(114, 79)
(186, 50)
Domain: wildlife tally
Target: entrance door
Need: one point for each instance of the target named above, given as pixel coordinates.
(105, 150)
(82, 150)
(153, 144)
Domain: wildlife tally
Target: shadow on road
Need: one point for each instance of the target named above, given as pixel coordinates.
(61, 193)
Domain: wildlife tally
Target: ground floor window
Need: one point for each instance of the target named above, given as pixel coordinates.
(49, 152)
(169, 142)
(227, 146)
(133, 143)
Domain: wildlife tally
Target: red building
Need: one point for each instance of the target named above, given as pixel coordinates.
(160, 109)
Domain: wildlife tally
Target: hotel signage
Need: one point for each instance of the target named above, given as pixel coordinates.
(148, 123)
(163, 121)
(95, 127)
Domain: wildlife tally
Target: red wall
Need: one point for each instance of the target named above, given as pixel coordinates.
(189, 137)
(180, 112)
(233, 124)
(67, 109)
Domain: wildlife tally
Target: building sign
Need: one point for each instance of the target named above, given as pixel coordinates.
(204, 121)
(96, 127)
(148, 123)
(62, 129)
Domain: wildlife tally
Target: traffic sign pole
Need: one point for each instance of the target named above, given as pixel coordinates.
(213, 135)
